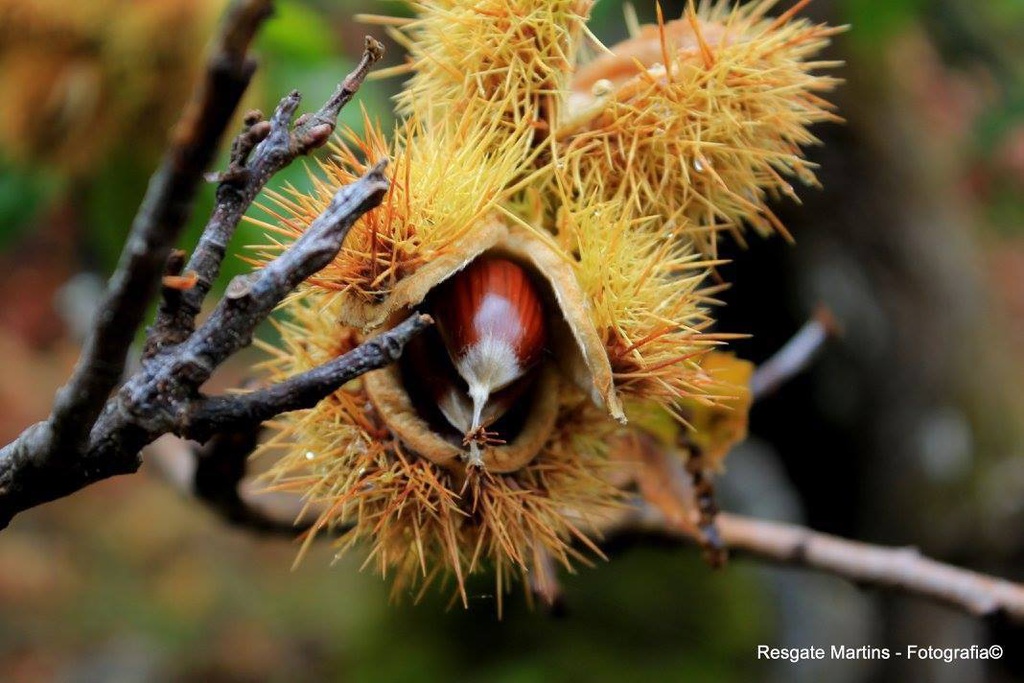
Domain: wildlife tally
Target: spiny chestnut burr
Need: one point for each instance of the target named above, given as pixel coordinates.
(491, 320)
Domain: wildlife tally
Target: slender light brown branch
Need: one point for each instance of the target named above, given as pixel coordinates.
(795, 356)
(903, 570)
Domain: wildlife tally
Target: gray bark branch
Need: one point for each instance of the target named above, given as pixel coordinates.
(305, 390)
(91, 435)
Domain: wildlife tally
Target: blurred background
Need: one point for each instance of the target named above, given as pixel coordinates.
(907, 431)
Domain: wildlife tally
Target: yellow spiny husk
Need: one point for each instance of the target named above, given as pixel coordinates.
(513, 58)
(445, 185)
(700, 120)
(644, 292)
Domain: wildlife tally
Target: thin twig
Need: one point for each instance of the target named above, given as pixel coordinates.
(795, 356)
(157, 226)
(903, 570)
(232, 425)
(164, 394)
(263, 149)
(250, 298)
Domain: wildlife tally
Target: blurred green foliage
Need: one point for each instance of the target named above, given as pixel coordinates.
(877, 21)
(23, 193)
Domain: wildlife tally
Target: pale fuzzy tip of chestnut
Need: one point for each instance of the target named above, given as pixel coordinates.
(489, 365)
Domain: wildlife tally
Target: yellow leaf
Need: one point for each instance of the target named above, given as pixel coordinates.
(718, 426)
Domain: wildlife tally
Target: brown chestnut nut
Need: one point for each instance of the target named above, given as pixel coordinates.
(491, 320)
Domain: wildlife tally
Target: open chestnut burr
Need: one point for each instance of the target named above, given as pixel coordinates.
(483, 388)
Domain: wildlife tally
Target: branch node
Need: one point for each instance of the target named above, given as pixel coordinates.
(175, 262)
(373, 48)
(286, 109)
(182, 282)
(240, 286)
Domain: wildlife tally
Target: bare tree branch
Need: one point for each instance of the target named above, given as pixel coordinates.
(91, 436)
(161, 397)
(45, 450)
(250, 298)
(231, 426)
(902, 570)
(156, 228)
